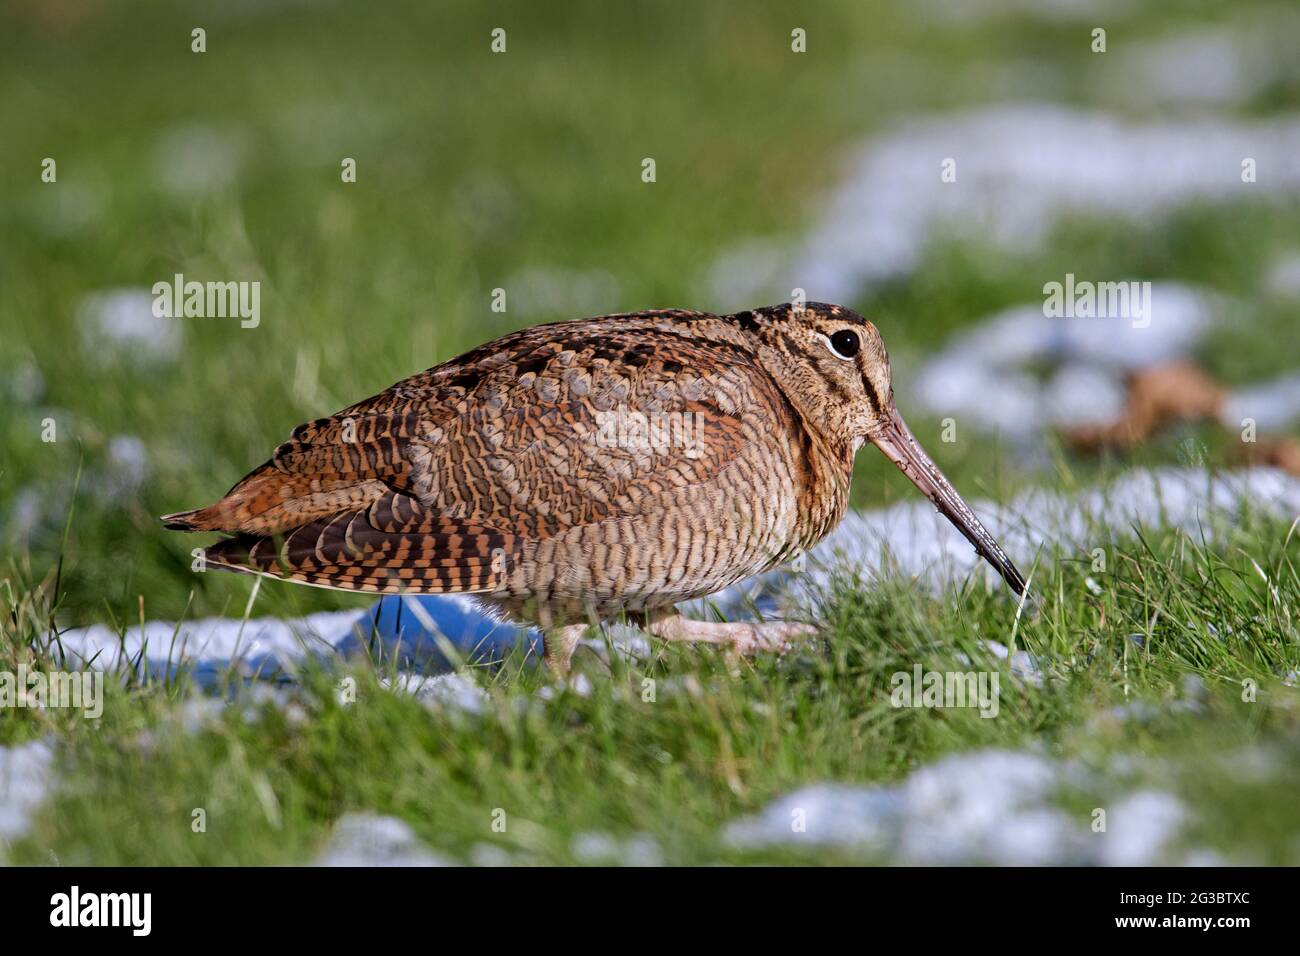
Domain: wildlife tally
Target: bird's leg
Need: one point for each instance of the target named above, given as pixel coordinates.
(742, 637)
(558, 644)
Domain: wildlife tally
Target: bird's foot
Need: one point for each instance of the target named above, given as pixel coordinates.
(779, 637)
(742, 638)
(558, 645)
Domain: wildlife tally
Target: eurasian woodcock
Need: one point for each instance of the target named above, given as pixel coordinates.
(569, 473)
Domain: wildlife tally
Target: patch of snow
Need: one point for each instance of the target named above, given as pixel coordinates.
(25, 777)
(261, 647)
(1020, 168)
(1140, 828)
(983, 806)
(128, 459)
(947, 384)
(824, 815)
(366, 839)
(1023, 664)
(625, 641)
(26, 514)
(126, 467)
(440, 691)
(120, 324)
(1254, 764)
(1137, 711)
(199, 712)
(1272, 405)
(489, 854)
(253, 697)
(991, 806)
(911, 538)
(989, 358)
(994, 355)
(1080, 394)
(920, 543)
(581, 685)
(606, 850)
(578, 684)
(1204, 66)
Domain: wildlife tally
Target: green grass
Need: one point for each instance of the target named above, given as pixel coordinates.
(714, 744)
(473, 169)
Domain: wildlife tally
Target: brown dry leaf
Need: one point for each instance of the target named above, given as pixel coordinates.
(1281, 453)
(1157, 396)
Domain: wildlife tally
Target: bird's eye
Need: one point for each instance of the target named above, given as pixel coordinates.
(845, 344)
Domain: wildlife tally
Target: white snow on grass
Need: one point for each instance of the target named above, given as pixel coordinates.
(991, 807)
(1272, 405)
(25, 776)
(264, 647)
(997, 355)
(1203, 66)
(602, 849)
(442, 691)
(126, 467)
(119, 325)
(1020, 168)
(910, 538)
(1192, 500)
(913, 539)
(367, 839)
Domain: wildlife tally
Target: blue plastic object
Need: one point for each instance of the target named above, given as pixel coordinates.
(411, 626)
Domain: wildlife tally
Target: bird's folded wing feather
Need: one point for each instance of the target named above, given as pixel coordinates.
(471, 459)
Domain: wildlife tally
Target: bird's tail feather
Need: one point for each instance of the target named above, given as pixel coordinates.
(351, 551)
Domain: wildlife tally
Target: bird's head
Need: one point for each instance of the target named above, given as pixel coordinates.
(832, 364)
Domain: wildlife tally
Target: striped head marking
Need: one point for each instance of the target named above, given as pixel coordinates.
(832, 364)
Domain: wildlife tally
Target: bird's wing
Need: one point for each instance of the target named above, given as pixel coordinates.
(449, 472)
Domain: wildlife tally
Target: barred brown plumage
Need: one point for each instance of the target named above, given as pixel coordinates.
(568, 473)
(392, 546)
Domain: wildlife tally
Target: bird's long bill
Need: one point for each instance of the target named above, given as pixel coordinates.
(901, 447)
